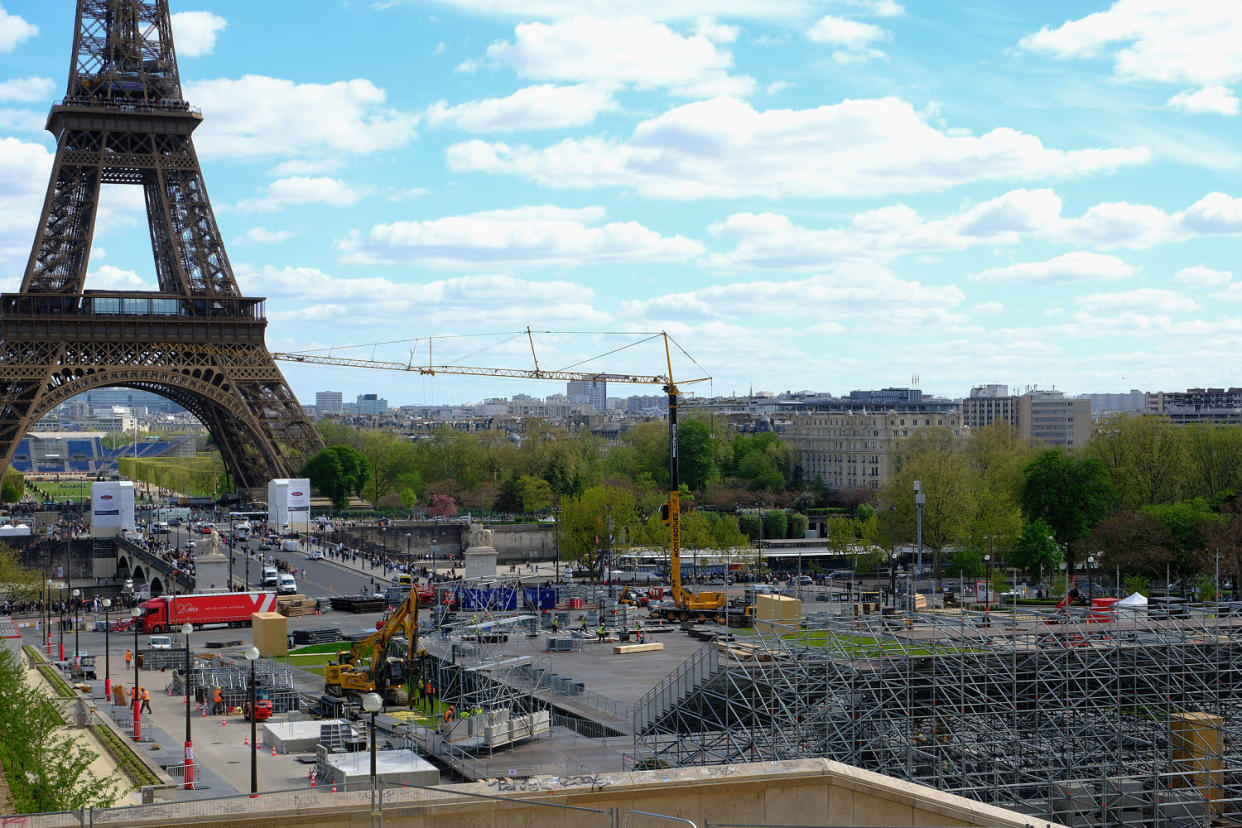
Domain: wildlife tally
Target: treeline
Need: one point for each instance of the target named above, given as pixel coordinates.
(1144, 498)
(494, 472)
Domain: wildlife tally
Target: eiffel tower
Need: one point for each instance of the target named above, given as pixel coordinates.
(197, 340)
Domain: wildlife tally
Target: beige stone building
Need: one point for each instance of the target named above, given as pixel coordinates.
(853, 449)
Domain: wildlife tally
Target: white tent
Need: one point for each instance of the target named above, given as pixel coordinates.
(1132, 606)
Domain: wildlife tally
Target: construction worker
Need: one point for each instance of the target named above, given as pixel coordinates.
(218, 707)
(555, 624)
(603, 633)
(422, 691)
(431, 697)
(582, 618)
(146, 701)
(129, 657)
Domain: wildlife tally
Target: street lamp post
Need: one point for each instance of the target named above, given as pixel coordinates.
(1090, 582)
(60, 634)
(47, 612)
(77, 594)
(252, 655)
(919, 500)
(186, 629)
(135, 614)
(371, 703)
(987, 587)
(107, 605)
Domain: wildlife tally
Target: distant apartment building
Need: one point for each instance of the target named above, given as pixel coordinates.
(1106, 405)
(1197, 405)
(1047, 416)
(591, 393)
(987, 404)
(329, 403)
(369, 404)
(853, 449)
(1054, 419)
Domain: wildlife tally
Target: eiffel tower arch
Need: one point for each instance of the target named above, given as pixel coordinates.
(197, 340)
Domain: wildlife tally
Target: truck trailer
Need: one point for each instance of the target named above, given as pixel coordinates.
(169, 612)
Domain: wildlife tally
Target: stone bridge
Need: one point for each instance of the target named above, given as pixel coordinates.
(144, 567)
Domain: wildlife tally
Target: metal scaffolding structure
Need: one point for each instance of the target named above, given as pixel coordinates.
(1084, 719)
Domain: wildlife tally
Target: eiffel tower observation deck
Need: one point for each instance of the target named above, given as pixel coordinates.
(197, 340)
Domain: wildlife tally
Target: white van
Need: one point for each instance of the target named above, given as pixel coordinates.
(289, 545)
(287, 585)
(271, 577)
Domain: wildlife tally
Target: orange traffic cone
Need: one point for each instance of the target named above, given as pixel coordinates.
(333, 787)
(273, 750)
(224, 722)
(245, 741)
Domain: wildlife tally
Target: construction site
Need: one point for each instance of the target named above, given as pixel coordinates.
(1081, 719)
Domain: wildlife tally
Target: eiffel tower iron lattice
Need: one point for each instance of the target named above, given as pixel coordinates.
(197, 340)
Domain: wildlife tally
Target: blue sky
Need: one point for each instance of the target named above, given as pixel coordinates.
(809, 194)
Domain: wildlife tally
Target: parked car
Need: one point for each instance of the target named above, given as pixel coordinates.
(159, 642)
(840, 575)
(316, 555)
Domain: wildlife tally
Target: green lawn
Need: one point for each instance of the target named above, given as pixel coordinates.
(64, 490)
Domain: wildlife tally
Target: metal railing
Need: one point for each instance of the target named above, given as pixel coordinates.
(691, 674)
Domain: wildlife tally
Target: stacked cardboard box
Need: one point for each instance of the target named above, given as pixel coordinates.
(292, 606)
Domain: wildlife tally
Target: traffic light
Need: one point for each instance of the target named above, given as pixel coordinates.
(664, 513)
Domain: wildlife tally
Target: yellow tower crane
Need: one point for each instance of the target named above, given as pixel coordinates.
(688, 605)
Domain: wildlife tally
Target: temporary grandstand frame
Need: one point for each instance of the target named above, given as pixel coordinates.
(1084, 719)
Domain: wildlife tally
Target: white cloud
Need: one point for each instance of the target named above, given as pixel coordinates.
(777, 86)
(544, 106)
(877, 8)
(27, 90)
(261, 235)
(22, 120)
(773, 241)
(107, 277)
(367, 303)
(724, 148)
(258, 117)
(715, 31)
(621, 50)
(546, 236)
(1211, 100)
(1169, 41)
(858, 292)
(1079, 266)
(1200, 276)
(195, 32)
(285, 192)
(854, 38)
(660, 9)
(24, 169)
(1143, 300)
(14, 31)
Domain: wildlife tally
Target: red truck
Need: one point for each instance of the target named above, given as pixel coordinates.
(169, 612)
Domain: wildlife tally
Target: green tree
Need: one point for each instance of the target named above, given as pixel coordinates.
(1036, 549)
(775, 523)
(750, 525)
(1215, 459)
(696, 453)
(337, 472)
(45, 771)
(13, 487)
(797, 525)
(1071, 494)
(1187, 525)
(842, 534)
(595, 524)
(1145, 457)
(936, 457)
(535, 494)
(965, 562)
(21, 583)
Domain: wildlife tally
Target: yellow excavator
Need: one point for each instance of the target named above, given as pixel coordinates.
(377, 663)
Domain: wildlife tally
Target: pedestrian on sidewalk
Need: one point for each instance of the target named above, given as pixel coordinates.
(129, 657)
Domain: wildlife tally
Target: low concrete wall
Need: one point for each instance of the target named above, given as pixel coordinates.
(805, 791)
